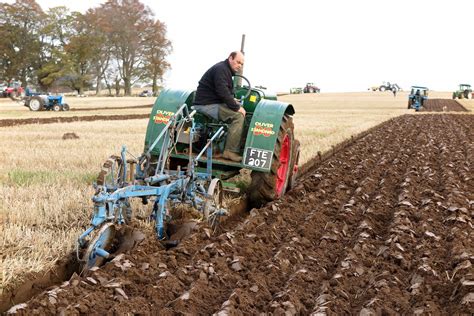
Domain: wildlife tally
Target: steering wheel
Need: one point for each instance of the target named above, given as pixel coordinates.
(249, 88)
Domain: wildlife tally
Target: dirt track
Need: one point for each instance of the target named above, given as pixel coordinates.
(86, 118)
(385, 226)
(113, 108)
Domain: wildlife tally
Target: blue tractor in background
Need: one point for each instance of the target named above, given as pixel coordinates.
(36, 101)
(417, 97)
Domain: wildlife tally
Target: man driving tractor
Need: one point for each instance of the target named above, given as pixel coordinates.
(215, 98)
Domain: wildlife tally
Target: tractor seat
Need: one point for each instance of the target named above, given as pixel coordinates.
(211, 110)
(208, 112)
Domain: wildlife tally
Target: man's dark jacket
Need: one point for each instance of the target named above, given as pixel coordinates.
(216, 86)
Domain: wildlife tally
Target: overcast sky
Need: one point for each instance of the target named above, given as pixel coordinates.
(340, 45)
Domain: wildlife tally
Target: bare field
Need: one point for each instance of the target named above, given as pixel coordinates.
(46, 181)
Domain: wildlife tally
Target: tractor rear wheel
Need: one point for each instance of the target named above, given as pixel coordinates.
(65, 107)
(36, 104)
(57, 108)
(294, 170)
(269, 186)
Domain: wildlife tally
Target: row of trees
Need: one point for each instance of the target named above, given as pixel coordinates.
(119, 43)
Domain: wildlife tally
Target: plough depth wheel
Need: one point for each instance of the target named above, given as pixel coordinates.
(214, 202)
(99, 246)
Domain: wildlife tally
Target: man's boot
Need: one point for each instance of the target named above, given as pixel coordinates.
(229, 155)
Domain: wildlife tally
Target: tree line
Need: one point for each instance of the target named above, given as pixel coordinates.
(114, 45)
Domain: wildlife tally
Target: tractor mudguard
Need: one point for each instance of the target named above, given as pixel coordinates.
(167, 103)
(263, 133)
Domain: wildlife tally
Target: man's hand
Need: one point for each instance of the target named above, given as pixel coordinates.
(242, 110)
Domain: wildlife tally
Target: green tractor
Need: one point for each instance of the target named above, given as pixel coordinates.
(180, 166)
(464, 92)
(269, 148)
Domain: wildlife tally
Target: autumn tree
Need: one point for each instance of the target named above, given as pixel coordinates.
(125, 23)
(62, 63)
(99, 50)
(156, 48)
(20, 47)
(119, 42)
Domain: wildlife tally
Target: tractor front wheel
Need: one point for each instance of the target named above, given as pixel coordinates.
(57, 108)
(269, 186)
(65, 107)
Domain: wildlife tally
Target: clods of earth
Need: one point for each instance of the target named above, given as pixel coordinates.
(384, 226)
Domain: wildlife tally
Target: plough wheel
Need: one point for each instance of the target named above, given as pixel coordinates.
(103, 241)
(269, 186)
(213, 202)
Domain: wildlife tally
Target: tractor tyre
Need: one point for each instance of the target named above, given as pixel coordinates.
(466, 95)
(35, 104)
(269, 186)
(294, 170)
(382, 89)
(454, 95)
(57, 108)
(65, 107)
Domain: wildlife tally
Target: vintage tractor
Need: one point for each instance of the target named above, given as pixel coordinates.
(39, 101)
(181, 165)
(12, 90)
(311, 88)
(296, 90)
(387, 86)
(417, 97)
(464, 92)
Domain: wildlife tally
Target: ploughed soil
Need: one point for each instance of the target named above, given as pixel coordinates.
(443, 105)
(67, 119)
(62, 119)
(383, 226)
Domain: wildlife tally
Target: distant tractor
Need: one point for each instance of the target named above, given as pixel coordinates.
(296, 90)
(417, 97)
(11, 90)
(146, 93)
(464, 92)
(311, 88)
(38, 102)
(387, 86)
